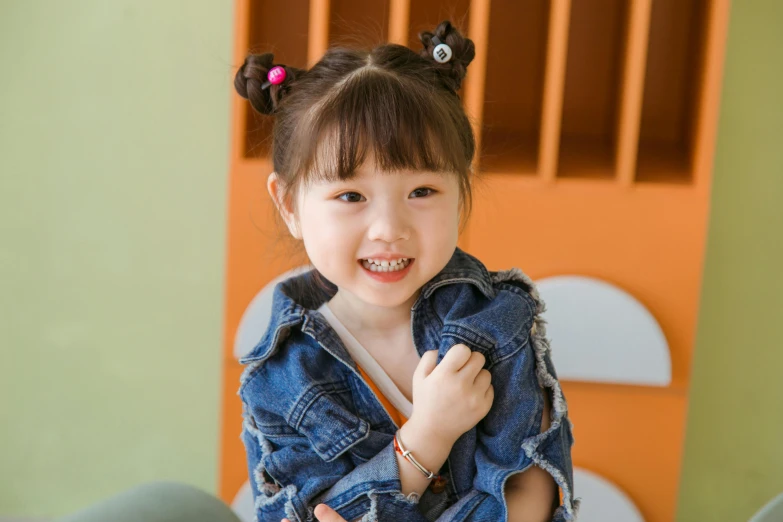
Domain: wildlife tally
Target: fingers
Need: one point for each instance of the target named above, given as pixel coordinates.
(483, 379)
(459, 358)
(427, 363)
(455, 358)
(326, 514)
(490, 393)
(474, 365)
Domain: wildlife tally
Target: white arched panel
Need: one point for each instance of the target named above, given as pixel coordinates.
(600, 333)
(602, 501)
(257, 315)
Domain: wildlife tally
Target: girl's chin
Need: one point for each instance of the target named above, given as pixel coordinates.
(382, 297)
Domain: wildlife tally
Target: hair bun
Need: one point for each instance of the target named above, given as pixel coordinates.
(463, 52)
(251, 76)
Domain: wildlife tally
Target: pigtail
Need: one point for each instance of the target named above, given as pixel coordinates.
(463, 51)
(252, 83)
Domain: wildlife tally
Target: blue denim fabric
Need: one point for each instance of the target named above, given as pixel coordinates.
(315, 432)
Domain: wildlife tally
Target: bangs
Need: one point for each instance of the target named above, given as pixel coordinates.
(402, 126)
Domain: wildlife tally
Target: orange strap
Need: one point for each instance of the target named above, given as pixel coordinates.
(398, 418)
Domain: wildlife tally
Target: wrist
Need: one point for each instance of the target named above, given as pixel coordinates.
(422, 428)
(421, 438)
(428, 453)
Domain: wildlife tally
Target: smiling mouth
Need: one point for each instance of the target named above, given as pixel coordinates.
(394, 265)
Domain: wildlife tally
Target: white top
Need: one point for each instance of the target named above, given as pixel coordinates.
(368, 363)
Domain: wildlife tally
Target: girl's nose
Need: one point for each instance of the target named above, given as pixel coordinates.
(389, 225)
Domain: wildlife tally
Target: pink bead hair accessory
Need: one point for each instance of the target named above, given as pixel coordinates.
(275, 76)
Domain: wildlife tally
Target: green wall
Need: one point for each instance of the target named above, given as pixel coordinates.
(113, 169)
(734, 441)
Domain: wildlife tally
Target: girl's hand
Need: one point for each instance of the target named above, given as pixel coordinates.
(324, 514)
(451, 397)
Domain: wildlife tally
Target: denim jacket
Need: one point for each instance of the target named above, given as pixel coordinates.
(315, 432)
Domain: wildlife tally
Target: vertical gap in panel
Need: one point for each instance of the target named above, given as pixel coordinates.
(319, 31)
(513, 96)
(399, 21)
(554, 81)
(588, 140)
(632, 87)
(673, 84)
(282, 30)
(425, 15)
(358, 23)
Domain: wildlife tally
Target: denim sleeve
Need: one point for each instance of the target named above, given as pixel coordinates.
(289, 478)
(509, 438)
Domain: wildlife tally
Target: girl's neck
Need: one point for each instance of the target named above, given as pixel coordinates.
(359, 316)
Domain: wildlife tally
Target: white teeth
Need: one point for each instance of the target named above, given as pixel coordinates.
(383, 262)
(385, 266)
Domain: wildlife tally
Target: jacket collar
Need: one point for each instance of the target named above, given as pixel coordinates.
(295, 299)
(461, 268)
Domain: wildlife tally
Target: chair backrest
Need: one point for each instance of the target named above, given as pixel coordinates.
(772, 512)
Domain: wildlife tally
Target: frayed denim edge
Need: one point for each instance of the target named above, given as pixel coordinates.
(249, 369)
(265, 488)
(541, 349)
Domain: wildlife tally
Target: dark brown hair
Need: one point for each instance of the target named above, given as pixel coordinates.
(400, 106)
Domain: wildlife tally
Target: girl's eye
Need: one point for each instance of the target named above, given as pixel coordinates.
(422, 192)
(353, 197)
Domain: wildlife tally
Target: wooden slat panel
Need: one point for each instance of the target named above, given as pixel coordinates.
(554, 81)
(319, 30)
(476, 78)
(706, 125)
(399, 21)
(632, 90)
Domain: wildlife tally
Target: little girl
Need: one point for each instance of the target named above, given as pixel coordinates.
(398, 379)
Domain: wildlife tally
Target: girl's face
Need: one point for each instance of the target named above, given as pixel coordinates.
(378, 216)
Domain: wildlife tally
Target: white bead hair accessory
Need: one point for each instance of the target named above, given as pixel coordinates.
(442, 52)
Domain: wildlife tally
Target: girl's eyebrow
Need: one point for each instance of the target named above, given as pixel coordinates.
(330, 185)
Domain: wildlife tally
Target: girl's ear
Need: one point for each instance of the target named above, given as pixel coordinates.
(284, 206)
